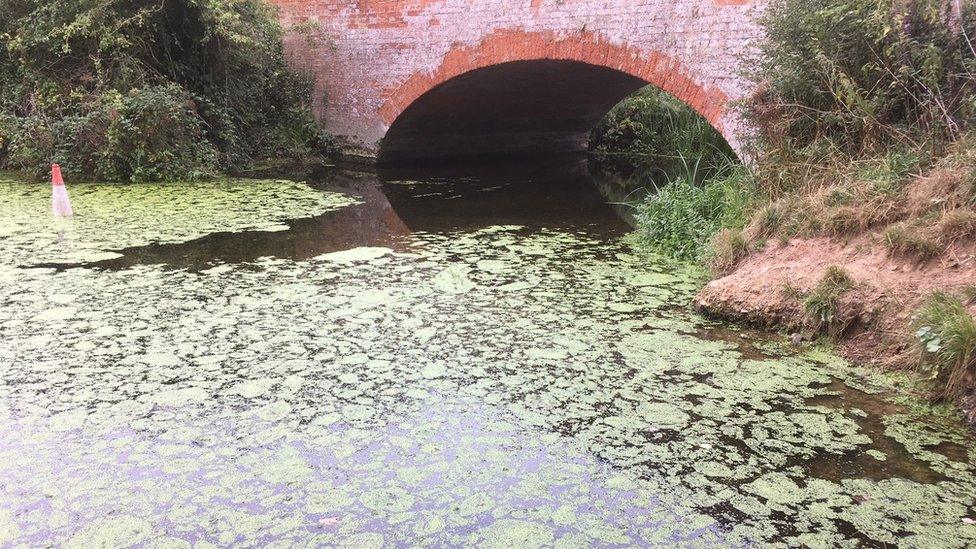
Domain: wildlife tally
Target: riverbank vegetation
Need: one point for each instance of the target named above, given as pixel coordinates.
(689, 184)
(147, 90)
(653, 133)
(866, 147)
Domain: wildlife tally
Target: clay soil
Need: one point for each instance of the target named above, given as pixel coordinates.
(874, 317)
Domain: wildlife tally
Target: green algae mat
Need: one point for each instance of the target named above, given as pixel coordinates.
(495, 385)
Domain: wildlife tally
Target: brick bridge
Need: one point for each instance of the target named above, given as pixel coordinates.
(410, 79)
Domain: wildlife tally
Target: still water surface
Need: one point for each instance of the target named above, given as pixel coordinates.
(456, 358)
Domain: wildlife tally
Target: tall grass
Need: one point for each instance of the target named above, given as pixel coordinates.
(651, 133)
(865, 74)
(693, 184)
(681, 218)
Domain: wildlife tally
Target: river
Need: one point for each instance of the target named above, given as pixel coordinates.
(437, 358)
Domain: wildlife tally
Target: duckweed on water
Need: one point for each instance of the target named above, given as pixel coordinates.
(496, 387)
(113, 217)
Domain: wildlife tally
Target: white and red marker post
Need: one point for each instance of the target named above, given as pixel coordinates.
(60, 204)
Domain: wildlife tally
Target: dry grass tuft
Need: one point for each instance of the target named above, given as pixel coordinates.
(908, 240)
(725, 250)
(942, 189)
(956, 225)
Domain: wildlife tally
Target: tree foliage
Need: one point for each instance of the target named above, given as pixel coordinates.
(147, 89)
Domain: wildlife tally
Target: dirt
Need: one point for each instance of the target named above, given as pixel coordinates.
(874, 317)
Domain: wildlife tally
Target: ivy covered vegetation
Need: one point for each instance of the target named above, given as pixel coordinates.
(144, 90)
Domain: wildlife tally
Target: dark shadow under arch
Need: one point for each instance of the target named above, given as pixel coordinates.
(543, 106)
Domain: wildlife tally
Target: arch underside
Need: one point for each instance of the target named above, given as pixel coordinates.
(527, 107)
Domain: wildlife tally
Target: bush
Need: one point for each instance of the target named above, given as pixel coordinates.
(681, 218)
(947, 334)
(651, 130)
(866, 74)
(147, 89)
(150, 134)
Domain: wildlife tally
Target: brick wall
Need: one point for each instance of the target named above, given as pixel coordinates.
(373, 59)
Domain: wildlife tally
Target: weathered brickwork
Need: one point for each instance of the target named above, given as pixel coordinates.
(373, 59)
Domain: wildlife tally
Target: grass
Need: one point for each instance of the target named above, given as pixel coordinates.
(821, 304)
(683, 216)
(652, 129)
(792, 292)
(947, 334)
(969, 292)
(725, 250)
(911, 241)
(956, 225)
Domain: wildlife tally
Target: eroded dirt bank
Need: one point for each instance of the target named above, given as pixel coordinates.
(873, 321)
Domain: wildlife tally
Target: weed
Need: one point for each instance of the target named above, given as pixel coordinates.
(683, 216)
(792, 292)
(653, 129)
(947, 334)
(886, 173)
(725, 250)
(905, 240)
(822, 302)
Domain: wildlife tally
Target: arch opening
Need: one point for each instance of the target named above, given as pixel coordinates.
(527, 107)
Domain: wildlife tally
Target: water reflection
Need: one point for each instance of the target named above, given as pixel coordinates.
(555, 193)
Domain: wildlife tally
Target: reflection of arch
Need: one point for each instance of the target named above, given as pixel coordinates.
(476, 100)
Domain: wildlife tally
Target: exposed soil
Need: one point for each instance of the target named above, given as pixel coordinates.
(874, 317)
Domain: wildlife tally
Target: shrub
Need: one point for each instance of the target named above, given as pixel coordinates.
(147, 89)
(822, 302)
(866, 74)
(653, 130)
(681, 218)
(947, 334)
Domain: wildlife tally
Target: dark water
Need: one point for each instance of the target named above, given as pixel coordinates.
(558, 194)
(469, 356)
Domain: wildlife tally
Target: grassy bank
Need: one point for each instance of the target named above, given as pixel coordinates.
(867, 151)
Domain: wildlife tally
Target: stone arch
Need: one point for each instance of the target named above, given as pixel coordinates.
(579, 61)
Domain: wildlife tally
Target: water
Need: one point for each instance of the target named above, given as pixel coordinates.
(454, 358)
